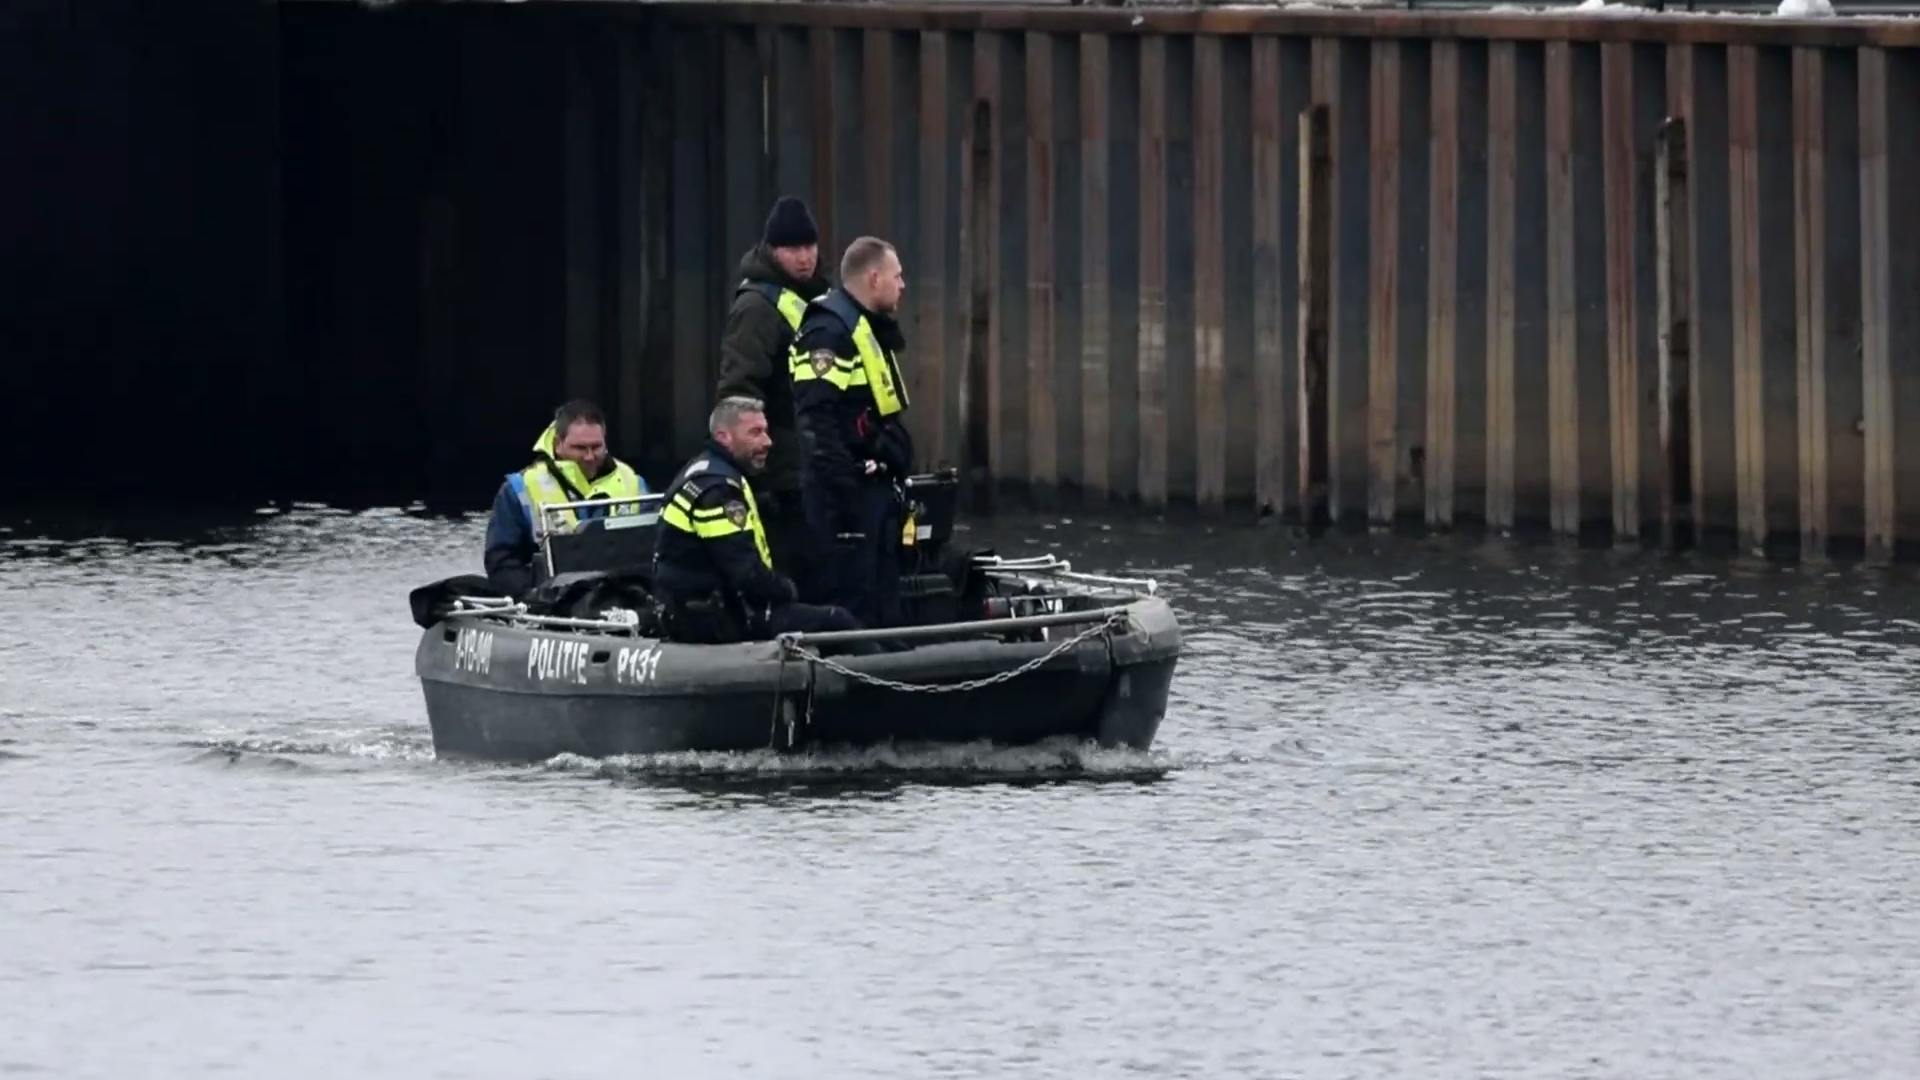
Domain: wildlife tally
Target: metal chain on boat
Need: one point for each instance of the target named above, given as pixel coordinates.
(995, 679)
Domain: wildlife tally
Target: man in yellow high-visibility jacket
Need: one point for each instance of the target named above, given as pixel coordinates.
(570, 464)
(851, 400)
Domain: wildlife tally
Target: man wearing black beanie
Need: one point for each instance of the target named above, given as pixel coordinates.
(778, 276)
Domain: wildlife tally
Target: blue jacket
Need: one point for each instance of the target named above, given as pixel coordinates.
(510, 545)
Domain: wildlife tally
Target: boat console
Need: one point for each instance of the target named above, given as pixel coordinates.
(609, 535)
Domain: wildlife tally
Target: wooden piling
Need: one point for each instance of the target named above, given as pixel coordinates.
(1502, 168)
(823, 104)
(1209, 279)
(582, 345)
(1674, 266)
(981, 270)
(1810, 295)
(1043, 463)
(1743, 171)
(1270, 456)
(1153, 272)
(1620, 163)
(695, 321)
(928, 377)
(1443, 295)
(1096, 238)
(1383, 294)
(1563, 381)
(630, 225)
(1315, 320)
(1876, 305)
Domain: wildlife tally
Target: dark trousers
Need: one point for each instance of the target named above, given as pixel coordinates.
(711, 620)
(862, 569)
(809, 618)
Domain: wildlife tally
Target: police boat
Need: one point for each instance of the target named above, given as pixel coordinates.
(1007, 650)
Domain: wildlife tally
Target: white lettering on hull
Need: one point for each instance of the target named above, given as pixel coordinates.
(473, 651)
(637, 667)
(558, 660)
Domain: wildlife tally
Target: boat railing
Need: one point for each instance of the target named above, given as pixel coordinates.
(624, 512)
(623, 622)
(626, 623)
(604, 534)
(1055, 568)
(969, 628)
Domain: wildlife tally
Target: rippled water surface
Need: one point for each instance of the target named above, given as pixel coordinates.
(1419, 808)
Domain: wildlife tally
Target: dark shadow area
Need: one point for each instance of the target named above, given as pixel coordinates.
(309, 250)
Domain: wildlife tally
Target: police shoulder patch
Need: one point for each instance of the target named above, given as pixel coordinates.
(822, 361)
(737, 513)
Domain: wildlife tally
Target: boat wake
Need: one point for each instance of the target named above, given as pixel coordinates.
(370, 746)
(1049, 761)
(981, 762)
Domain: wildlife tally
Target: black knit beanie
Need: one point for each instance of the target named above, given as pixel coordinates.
(790, 225)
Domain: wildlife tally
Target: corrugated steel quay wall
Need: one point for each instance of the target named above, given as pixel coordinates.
(1652, 276)
(1649, 278)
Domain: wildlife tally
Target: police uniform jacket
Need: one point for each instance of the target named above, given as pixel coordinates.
(711, 540)
(849, 395)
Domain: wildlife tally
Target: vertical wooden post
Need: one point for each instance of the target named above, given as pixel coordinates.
(1443, 291)
(582, 233)
(1743, 184)
(1673, 241)
(1268, 328)
(980, 269)
(821, 61)
(1563, 376)
(695, 328)
(1316, 280)
(877, 98)
(1810, 294)
(630, 214)
(1502, 165)
(1209, 279)
(1383, 265)
(1043, 458)
(1153, 271)
(930, 361)
(1096, 232)
(657, 174)
(1623, 326)
(1876, 304)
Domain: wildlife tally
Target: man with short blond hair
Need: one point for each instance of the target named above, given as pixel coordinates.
(851, 400)
(865, 255)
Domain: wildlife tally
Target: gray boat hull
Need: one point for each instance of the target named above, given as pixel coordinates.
(498, 692)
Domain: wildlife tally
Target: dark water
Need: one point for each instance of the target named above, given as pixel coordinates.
(1420, 809)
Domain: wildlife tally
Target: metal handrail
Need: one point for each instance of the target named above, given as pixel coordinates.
(954, 629)
(642, 516)
(1052, 566)
(474, 607)
(657, 500)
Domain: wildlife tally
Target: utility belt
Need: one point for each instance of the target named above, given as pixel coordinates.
(713, 618)
(904, 509)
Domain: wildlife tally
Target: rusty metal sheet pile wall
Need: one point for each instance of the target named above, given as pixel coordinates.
(1600, 282)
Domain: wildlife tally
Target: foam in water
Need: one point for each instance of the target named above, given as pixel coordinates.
(1051, 758)
(384, 746)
